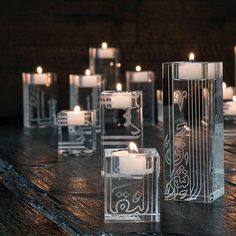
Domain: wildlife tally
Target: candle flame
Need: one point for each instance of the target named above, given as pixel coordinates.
(118, 65)
(104, 45)
(191, 56)
(87, 72)
(111, 64)
(76, 109)
(138, 68)
(119, 87)
(39, 70)
(234, 98)
(133, 147)
(224, 85)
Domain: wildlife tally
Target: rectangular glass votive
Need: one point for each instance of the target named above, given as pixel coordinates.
(39, 99)
(106, 61)
(85, 90)
(144, 81)
(121, 120)
(76, 132)
(131, 185)
(193, 131)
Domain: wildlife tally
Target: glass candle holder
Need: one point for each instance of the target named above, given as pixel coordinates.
(193, 131)
(121, 120)
(39, 99)
(85, 90)
(144, 81)
(131, 185)
(159, 96)
(106, 61)
(76, 132)
(230, 119)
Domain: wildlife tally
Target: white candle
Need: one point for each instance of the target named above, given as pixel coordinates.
(131, 163)
(106, 53)
(190, 70)
(85, 80)
(76, 117)
(121, 100)
(141, 76)
(228, 92)
(230, 108)
(41, 79)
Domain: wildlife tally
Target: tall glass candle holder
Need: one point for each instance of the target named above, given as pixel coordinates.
(159, 96)
(106, 61)
(230, 119)
(144, 81)
(85, 90)
(76, 132)
(131, 185)
(39, 99)
(121, 119)
(193, 131)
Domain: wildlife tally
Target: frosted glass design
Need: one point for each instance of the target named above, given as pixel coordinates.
(39, 99)
(85, 91)
(76, 132)
(121, 119)
(131, 186)
(106, 61)
(193, 131)
(144, 81)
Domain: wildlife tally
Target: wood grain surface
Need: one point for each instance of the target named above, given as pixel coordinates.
(69, 190)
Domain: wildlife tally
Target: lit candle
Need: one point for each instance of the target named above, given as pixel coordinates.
(190, 70)
(228, 92)
(141, 76)
(230, 107)
(105, 51)
(87, 72)
(121, 100)
(41, 78)
(138, 68)
(75, 117)
(131, 162)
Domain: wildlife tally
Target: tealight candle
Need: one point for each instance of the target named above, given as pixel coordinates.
(76, 117)
(190, 70)
(105, 51)
(121, 100)
(41, 78)
(230, 107)
(131, 162)
(228, 91)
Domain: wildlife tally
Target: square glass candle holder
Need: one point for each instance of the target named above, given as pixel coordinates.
(76, 132)
(159, 96)
(131, 185)
(144, 81)
(85, 90)
(193, 131)
(121, 120)
(106, 61)
(39, 99)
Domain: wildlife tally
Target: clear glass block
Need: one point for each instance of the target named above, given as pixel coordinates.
(131, 185)
(159, 96)
(76, 132)
(193, 131)
(39, 99)
(85, 91)
(121, 120)
(106, 61)
(144, 81)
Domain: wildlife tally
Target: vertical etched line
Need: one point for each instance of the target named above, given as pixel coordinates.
(189, 141)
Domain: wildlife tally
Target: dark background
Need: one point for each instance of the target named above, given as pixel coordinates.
(58, 33)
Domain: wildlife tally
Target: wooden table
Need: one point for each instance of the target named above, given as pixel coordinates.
(68, 191)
